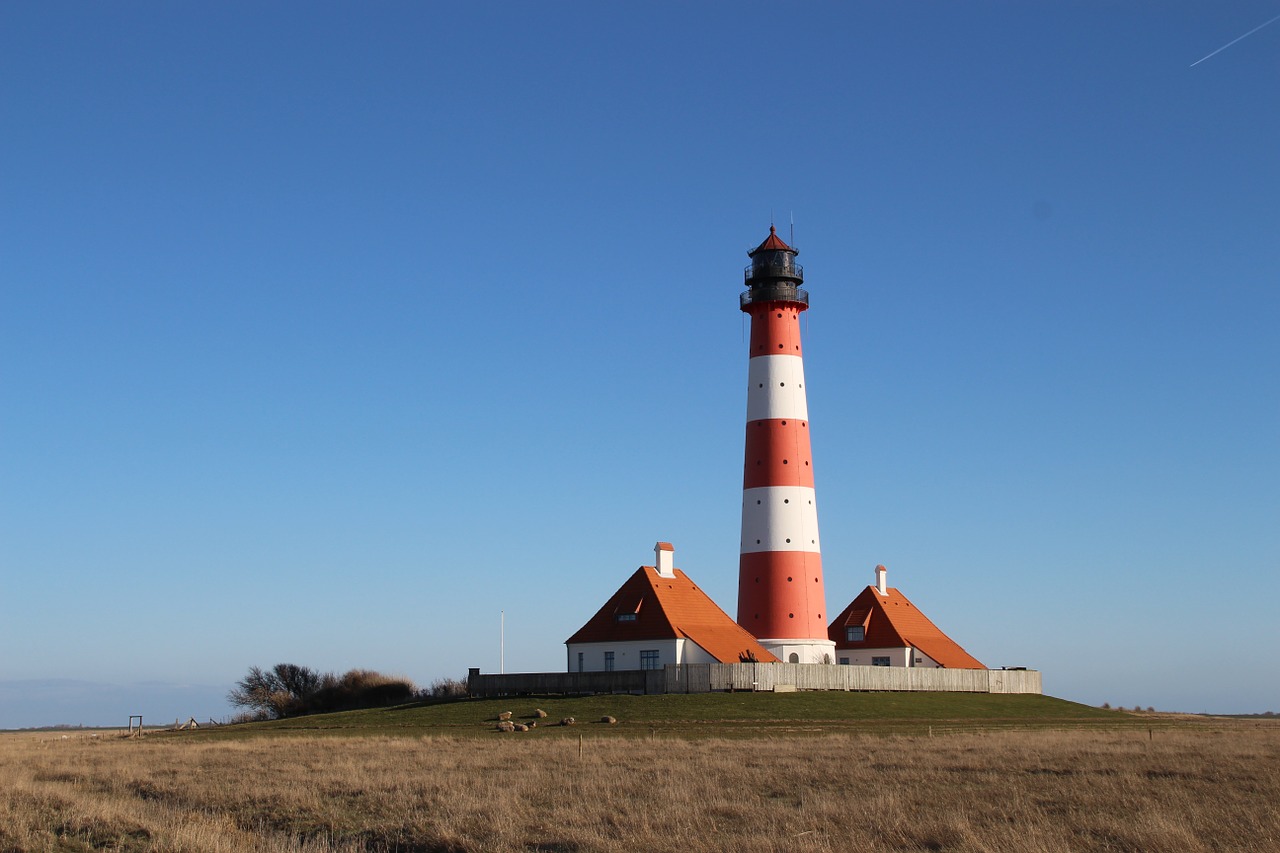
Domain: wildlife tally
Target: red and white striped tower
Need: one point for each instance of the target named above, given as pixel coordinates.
(780, 592)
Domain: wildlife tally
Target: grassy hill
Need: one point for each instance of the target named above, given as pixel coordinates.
(718, 714)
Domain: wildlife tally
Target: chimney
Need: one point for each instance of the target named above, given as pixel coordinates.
(882, 584)
(664, 554)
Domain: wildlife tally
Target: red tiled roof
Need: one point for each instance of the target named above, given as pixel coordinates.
(893, 622)
(772, 242)
(669, 608)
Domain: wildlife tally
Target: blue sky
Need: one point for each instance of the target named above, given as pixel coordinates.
(328, 332)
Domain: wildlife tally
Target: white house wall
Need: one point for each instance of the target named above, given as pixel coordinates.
(897, 657)
(694, 653)
(626, 655)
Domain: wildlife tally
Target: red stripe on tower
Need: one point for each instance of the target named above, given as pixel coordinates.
(780, 591)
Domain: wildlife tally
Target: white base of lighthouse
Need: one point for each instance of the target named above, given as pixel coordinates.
(804, 650)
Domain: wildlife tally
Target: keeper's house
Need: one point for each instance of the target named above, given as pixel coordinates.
(659, 616)
(882, 628)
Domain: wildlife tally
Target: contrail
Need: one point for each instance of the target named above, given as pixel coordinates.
(1228, 44)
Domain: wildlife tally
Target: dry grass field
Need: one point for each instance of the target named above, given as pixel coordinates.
(1179, 789)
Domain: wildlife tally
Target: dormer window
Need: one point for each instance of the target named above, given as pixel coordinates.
(626, 617)
(853, 634)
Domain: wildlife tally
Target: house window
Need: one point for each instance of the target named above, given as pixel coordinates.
(877, 661)
(649, 659)
(608, 661)
(579, 661)
(844, 661)
(853, 634)
(626, 617)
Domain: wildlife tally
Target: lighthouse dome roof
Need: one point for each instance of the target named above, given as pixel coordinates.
(772, 243)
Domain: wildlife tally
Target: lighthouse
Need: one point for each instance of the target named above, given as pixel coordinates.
(780, 590)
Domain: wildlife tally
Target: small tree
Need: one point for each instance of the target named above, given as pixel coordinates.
(277, 692)
(297, 681)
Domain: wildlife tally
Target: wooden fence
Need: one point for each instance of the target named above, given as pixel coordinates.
(710, 677)
(707, 677)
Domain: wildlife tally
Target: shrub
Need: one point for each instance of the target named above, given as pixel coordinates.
(361, 688)
(289, 690)
(449, 688)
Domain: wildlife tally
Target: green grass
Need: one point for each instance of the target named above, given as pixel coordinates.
(705, 714)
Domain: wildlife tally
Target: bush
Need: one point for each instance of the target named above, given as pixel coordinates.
(361, 688)
(449, 688)
(288, 690)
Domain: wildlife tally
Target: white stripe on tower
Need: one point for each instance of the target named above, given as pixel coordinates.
(776, 388)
